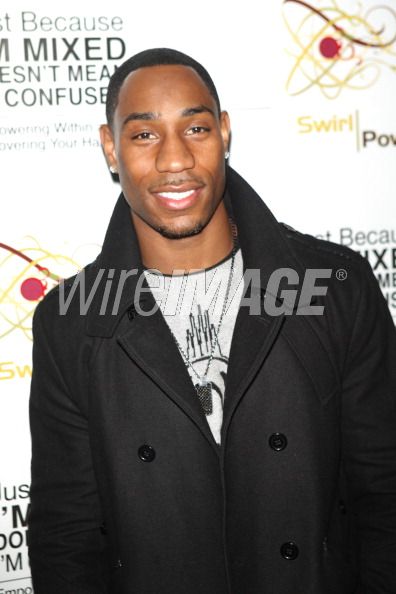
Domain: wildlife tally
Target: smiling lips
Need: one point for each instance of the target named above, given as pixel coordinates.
(176, 195)
(178, 199)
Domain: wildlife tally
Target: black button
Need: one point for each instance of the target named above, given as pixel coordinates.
(117, 564)
(289, 551)
(342, 507)
(146, 453)
(278, 441)
(103, 529)
(131, 312)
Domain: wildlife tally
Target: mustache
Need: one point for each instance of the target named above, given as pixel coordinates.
(176, 181)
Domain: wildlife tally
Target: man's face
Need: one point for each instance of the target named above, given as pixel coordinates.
(167, 143)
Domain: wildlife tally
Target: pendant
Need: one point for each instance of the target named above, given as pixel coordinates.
(204, 391)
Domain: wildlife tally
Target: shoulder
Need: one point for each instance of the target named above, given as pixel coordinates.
(310, 247)
(59, 310)
(355, 312)
(349, 279)
(314, 253)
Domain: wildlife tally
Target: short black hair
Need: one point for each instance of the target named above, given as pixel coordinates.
(159, 56)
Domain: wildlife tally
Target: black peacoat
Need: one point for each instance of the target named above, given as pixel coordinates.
(130, 493)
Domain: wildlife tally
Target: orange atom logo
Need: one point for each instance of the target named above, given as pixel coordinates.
(26, 276)
(335, 49)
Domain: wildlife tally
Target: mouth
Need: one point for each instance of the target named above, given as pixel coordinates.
(176, 195)
(178, 198)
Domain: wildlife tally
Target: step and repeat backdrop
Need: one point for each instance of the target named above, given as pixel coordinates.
(310, 88)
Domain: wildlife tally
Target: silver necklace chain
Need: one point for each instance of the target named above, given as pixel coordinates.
(204, 386)
(215, 341)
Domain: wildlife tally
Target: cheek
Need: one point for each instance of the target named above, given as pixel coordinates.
(133, 170)
(218, 169)
(135, 182)
(212, 159)
(136, 163)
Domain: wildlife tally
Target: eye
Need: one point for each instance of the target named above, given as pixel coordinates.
(143, 136)
(197, 130)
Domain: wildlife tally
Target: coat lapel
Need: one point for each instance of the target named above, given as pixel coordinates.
(252, 340)
(151, 346)
(265, 250)
(145, 338)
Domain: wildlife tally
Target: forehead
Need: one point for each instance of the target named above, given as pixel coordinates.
(163, 88)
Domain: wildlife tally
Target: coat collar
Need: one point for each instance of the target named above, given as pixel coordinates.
(263, 244)
(119, 260)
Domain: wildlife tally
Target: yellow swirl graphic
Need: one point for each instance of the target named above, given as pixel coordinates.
(336, 50)
(27, 274)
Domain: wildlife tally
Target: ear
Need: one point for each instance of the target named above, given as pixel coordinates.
(225, 129)
(107, 140)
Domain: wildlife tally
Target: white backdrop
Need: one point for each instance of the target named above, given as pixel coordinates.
(310, 88)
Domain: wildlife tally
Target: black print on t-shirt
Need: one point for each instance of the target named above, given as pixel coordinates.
(199, 339)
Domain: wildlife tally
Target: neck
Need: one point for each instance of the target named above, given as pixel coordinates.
(197, 252)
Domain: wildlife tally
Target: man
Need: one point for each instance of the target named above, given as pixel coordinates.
(148, 477)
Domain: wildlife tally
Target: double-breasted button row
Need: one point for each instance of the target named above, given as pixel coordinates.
(289, 551)
(146, 453)
(278, 442)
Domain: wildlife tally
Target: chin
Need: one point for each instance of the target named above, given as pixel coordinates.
(180, 233)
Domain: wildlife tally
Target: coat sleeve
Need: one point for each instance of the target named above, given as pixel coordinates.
(369, 437)
(66, 546)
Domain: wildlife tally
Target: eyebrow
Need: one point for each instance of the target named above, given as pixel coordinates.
(151, 115)
(190, 111)
(141, 115)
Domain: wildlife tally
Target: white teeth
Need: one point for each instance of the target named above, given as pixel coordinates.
(176, 195)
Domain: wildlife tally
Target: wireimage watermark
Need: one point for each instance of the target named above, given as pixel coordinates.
(286, 292)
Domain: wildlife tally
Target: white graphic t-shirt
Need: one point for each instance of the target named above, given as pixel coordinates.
(192, 306)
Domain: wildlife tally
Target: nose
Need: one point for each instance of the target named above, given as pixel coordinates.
(174, 154)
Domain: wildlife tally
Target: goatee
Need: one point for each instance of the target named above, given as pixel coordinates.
(173, 234)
